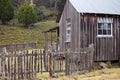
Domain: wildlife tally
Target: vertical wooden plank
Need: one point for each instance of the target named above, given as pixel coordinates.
(15, 66)
(12, 67)
(35, 56)
(105, 43)
(32, 64)
(27, 65)
(67, 68)
(41, 57)
(0, 62)
(9, 67)
(50, 66)
(19, 65)
(95, 35)
(117, 40)
(38, 58)
(3, 63)
(22, 65)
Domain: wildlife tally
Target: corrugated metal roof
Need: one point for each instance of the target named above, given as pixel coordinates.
(97, 6)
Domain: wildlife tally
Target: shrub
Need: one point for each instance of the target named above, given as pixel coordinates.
(27, 15)
(6, 11)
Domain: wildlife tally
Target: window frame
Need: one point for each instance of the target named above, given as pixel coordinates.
(105, 21)
(68, 30)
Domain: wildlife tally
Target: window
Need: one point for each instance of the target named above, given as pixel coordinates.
(104, 27)
(68, 30)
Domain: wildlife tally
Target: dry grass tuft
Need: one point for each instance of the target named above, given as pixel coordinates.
(104, 74)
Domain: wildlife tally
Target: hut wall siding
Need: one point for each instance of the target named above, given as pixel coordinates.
(69, 12)
(84, 32)
(106, 48)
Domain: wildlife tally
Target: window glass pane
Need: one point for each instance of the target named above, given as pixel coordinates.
(100, 32)
(100, 25)
(109, 32)
(68, 25)
(104, 32)
(68, 20)
(109, 26)
(105, 26)
(68, 37)
(68, 31)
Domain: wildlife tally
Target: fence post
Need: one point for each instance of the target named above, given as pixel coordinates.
(0, 63)
(3, 63)
(67, 65)
(41, 55)
(46, 60)
(19, 65)
(91, 51)
(50, 65)
(35, 59)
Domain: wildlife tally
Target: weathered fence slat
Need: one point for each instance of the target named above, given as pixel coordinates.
(20, 65)
(74, 61)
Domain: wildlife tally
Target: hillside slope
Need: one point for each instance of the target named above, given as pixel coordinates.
(17, 34)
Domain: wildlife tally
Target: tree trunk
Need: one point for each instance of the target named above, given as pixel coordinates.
(55, 6)
(28, 26)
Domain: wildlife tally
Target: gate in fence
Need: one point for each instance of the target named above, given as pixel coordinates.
(79, 61)
(72, 62)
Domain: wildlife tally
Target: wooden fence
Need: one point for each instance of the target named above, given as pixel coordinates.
(72, 62)
(20, 46)
(25, 64)
(19, 65)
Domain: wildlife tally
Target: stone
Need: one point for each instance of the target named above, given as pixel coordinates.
(103, 65)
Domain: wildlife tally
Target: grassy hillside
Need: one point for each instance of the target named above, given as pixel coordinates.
(17, 34)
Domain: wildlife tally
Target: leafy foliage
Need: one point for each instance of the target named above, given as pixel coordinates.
(43, 13)
(27, 14)
(46, 9)
(6, 11)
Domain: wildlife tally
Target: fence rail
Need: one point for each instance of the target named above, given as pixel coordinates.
(22, 46)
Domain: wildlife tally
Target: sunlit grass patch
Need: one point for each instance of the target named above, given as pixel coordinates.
(104, 74)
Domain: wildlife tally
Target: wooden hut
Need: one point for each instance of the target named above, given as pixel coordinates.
(89, 22)
(97, 22)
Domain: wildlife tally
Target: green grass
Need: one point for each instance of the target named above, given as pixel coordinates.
(17, 34)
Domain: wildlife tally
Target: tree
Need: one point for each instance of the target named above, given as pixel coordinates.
(60, 5)
(6, 11)
(27, 15)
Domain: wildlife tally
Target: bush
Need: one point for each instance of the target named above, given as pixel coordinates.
(44, 13)
(6, 11)
(40, 14)
(27, 15)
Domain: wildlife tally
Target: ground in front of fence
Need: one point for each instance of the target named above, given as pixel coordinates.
(104, 74)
